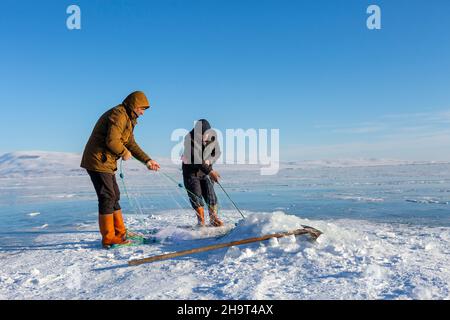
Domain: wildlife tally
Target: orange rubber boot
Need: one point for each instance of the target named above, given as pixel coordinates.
(119, 226)
(200, 216)
(106, 224)
(214, 218)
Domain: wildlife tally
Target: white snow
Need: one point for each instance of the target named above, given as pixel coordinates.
(33, 214)
(358, 198)
(351, 260)
(42, 226)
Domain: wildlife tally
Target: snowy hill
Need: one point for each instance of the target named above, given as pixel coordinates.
(41, 163)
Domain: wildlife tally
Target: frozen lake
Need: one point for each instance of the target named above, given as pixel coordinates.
(410, 194)
(386, 236)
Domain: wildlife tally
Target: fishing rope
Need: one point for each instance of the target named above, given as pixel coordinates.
(178, 191)
(234, 204)
(180, 185)
(197, 200)
(122, 178)
(171, 193)
(132, 200)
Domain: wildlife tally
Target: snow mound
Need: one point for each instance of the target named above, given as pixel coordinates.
(259, 224)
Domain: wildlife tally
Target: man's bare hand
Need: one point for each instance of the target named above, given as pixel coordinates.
(214, 175)
(153, 165)
(126, 156)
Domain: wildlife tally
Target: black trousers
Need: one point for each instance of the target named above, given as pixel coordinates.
(107, 190)
(199, 187)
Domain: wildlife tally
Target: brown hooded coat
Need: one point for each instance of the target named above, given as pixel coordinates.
(113, 136)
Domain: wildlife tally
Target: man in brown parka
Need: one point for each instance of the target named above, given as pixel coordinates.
(112, 139)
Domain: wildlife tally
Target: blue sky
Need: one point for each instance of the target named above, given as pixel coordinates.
(310, 68)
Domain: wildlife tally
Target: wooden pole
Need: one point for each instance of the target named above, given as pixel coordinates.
(314, 233)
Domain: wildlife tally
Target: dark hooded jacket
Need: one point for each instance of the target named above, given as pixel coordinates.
(194, 156)
(113, 136)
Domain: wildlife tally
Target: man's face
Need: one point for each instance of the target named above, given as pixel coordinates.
(205, 138)
(208, 137)
(139, 111)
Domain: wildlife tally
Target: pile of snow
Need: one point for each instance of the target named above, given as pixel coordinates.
(351, 260)
(261, 224)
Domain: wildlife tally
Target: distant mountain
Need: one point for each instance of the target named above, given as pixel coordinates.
(40, 163)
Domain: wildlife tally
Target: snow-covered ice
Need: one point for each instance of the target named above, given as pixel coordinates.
(351, 260)
(385, 224)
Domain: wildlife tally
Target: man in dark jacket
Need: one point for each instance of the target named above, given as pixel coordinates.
(201, 150)
(112, 139)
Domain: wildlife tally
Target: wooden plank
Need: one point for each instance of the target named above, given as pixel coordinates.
(314, 233)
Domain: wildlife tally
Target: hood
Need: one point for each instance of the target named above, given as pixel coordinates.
(136, 99)
(201, 126)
